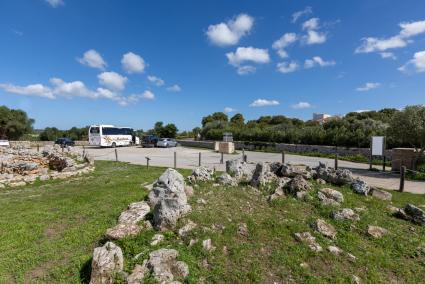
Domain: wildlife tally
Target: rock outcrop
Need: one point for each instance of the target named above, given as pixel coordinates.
(330, 175)
(329, 196)
(202, 174)
(239, 169)
(262, 175)
(107, 262)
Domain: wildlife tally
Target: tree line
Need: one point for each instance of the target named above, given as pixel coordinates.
(402, 128)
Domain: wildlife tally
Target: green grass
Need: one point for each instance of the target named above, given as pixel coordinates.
(48, 232)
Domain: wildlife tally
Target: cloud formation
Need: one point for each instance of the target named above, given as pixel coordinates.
(302, 105)
(112, 80)
(93, 59)
(38, 90)
(402, 39)
(287, 67)
(368, 86)
(156, 80)
(416, 64)
(307, 11)
(263, 103)
(225, 34)
(314, 36)
(229, 110)
(174, 88)
(55, 3)
(317, 61)
(284, 41)
(247, 54)
(133, 63)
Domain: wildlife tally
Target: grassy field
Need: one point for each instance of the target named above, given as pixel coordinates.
(48, 232)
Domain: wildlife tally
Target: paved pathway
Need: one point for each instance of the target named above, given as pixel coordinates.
(188, 158)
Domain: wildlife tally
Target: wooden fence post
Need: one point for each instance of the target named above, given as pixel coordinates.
(222, 158)
(402, 177)
(116, 155)
(175, 160)
(383, 165)
(283, 157)
(336, 161)
(147, 162)
(199, 159)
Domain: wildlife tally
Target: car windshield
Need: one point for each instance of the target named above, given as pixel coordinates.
(163, 139)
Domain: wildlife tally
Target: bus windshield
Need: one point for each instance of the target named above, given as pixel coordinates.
(94, 130)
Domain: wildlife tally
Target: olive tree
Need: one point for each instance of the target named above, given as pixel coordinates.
(14, 123)
(407, 127)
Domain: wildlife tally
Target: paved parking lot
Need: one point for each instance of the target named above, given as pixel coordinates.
(189, 157)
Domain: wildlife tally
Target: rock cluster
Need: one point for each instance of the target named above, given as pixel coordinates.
(202, 174)
(330, 175)
(19, 167)
(412, 213)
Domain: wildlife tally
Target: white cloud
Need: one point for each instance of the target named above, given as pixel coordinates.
(368, 86)
(362, 110)
(112, 80)
(224, 34)
(71, 89)
(174, 88)
(264, 102)
(93, 59)
(133, 63)
(243, 54)
(388, 55)
(284, 41)
(311, 24)
(287, 67)
(229, 110)
(38, 90)
(408, 30)
(298, 14)
(412, 28)
(157, 81)
(55, 3)
(416, 64)
(302, 105)
(313, 35)
(317, 61)
(246, 69)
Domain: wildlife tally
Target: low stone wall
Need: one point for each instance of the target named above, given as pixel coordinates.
(41, 144)
(294, 148)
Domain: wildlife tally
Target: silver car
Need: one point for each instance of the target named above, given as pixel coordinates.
(167, 142)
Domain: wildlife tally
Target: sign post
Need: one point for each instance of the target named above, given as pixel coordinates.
(377, 148)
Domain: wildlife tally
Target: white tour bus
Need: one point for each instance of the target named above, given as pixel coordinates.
(111, 136)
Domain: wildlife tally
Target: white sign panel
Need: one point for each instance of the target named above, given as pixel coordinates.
(378, 144)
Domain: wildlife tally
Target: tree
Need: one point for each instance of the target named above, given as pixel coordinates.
(50, 134)
(216, 116)
(14, 123)
(169, 131)
(407, 127)
(237, 120)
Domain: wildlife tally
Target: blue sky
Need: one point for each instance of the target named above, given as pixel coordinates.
(131, 63)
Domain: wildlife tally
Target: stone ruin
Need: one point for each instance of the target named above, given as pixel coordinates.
(21, 166)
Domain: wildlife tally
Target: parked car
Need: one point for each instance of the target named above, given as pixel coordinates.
(167, 142)
(149, 141)
(4, 143)
(65, 142)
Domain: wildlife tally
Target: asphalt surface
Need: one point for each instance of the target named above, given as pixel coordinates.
(189, 158)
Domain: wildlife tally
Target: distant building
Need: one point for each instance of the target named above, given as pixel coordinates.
(321, 117)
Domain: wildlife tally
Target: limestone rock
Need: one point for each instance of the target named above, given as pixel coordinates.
(167, 212)
(226, 179)
(309, 240)
(262, 175)
(360, 187)
(135, 213)
(335, 250)
(164, 267)
(203, 174)
(188, 190)
(123, 230)
(243, 230)
(412, 213)
(169, 185)
(376, 232)
(345, 214)
(207, 245)
(330, 175)
(381, 194)
(298, 184)
(107, 261)
(329, 196)
(238, 169)
(138, 274)
(324, 228)
(183, 231)
(156, 239)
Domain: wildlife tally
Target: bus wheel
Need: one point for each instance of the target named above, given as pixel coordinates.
(114, 145)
